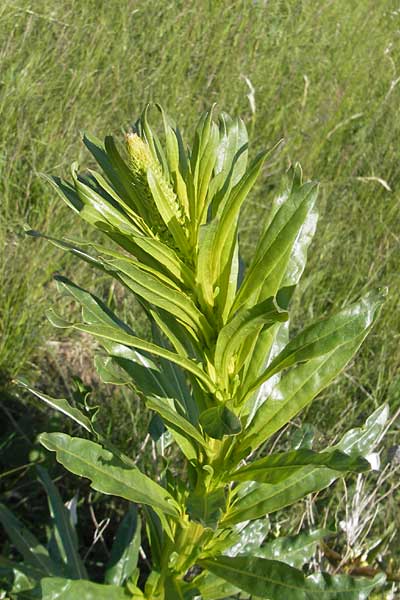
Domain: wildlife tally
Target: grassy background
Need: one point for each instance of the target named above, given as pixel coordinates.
(325, 76)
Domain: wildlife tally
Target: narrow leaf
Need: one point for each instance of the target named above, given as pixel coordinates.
(66, 537)
(277, 467)
(107, 473)
(125, 549)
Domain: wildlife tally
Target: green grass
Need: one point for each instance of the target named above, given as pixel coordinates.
(325, 78)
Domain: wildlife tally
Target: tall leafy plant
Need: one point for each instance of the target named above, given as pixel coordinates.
(221, 374)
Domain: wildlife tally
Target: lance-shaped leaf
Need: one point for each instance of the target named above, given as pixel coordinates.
(207, 508)
(175, 421)
(97, 149)
(95, 206)
(34, 553)
(232, 155)
(210, 587)
(56, 588)
(278, 467)
(219, 239)
(218, 421)
(126, 178)
(301, 384)
(278, 581)
(264, 578)
(63, 406)
(125, 549)
(325, 335)
(271, 341)
(157, 292)
(295, 550)
(255, 500)
(246, 323)
(276, 244)
(250, 536)
(120, 337)
(65, 534)
(107, 473)
(167, 205)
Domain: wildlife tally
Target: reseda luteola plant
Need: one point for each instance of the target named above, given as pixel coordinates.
(221, 374)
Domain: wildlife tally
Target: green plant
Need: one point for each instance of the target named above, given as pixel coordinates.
(221, 374)
(60, 557)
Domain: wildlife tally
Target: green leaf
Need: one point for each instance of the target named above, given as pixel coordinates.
(96, 208)
(265, 578)
(211, 587)
(278, 467)
(295, 550)
(207, 508)
(125, 549)
(275, 247)
(218, 421)
(255, 500)
(343, 587)
(155, 535)
(301, 384)
(278, 581)
(175, 421)
(65, 534)
(107, 473)
(250, 536)
(35, 554)
(157, 292)
(63, 406)
(118, 336)
(21, 576)
(57, 588)
(125, 177)
(326, 335)
(245, 324)
(232, 150)
(167, 205)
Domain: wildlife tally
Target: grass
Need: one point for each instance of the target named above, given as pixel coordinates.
(324, 76)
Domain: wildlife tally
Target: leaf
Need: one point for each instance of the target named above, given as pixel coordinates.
(63, 406)
(250, 536)
(277, 581)
(278, 467)
(218, 421)
(175, 421)
(325, 335)
(211, 587)
(275, 247)
(119, 336)
(156, 292)
(343, 587)
(255, 500)
(165, 200)
(265, 578)
(232, 149)
(21, 576)
(65, 533)
(301, 384)
(207, 507)
(155, 535)
(57, 588)
(295, 550)
(270, 342)
(245, 323)
(125, 549)
(35, 554)
(96, 208)
(107, 473)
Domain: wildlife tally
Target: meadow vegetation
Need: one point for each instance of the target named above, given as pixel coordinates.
(324, 77)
